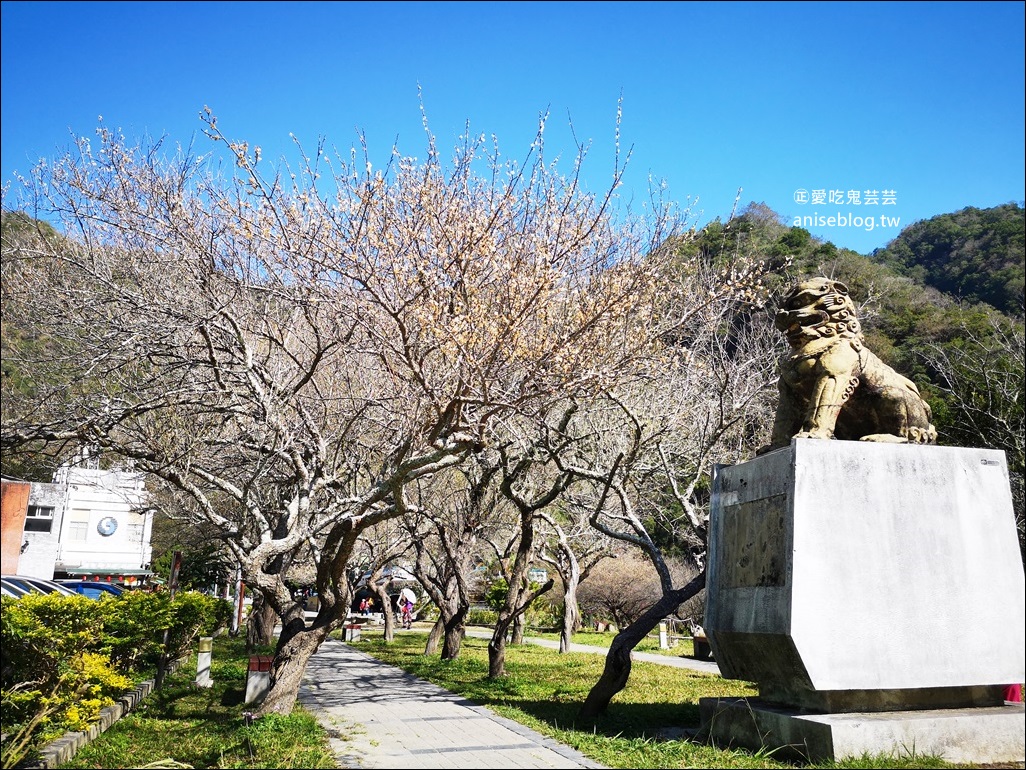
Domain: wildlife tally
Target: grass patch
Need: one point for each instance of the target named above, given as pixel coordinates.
(680, 648)
(182, 725)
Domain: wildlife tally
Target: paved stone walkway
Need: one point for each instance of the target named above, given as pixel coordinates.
(378, 716)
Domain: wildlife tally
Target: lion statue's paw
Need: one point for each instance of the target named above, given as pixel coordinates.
(823, 434)
(923, 435)
(885, 438)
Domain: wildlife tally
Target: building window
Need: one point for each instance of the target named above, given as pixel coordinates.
(39, 518)
(78, 525)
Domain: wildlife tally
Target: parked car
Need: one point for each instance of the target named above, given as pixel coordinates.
(11, 590)
(94, 589)
(27, 584)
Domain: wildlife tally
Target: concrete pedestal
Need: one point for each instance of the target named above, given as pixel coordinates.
(987, 735)
(258, 678)
(866, 579)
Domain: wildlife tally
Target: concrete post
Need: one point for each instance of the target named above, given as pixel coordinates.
(206, 646)
(258, 679)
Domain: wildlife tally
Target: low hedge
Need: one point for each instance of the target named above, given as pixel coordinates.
(64, 658)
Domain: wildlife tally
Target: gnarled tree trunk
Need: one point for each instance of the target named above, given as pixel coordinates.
(290, 661)
(517, 637)
(434, 637)
(260, 624)
(507, 616)
(618, 660)
(448, 589)
(381, 591)
(519, 596)
(497, 649)
(571, 616)
(298, 641)
(455, 631)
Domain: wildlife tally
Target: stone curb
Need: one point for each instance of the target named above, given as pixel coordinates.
(64, 748)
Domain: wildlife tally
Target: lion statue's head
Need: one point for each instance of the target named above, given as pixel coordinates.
(817, 309)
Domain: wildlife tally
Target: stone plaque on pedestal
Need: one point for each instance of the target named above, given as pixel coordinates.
(868, 580)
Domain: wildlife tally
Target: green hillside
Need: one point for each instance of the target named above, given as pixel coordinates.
(974, 254)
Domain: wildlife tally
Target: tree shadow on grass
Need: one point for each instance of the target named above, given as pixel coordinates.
(233, 696)
(626, 720)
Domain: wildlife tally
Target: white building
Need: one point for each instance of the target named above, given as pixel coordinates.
(107, 525)
(88, 523)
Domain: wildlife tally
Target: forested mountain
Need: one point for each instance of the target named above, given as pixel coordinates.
(974, 254)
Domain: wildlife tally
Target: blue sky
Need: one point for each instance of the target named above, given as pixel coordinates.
(923, 101)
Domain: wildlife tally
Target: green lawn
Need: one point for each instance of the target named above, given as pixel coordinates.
(650, 643)
(182, 726)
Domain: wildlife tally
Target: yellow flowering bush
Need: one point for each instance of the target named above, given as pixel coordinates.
(64, 658)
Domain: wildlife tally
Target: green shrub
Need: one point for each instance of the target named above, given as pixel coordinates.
(101, 685)
(64, 658)
(481, 618)
(428, 613)
(495, 596)
(541, 613)
(191, 614)
(545, 613)
(133, 625)
(55, 676)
